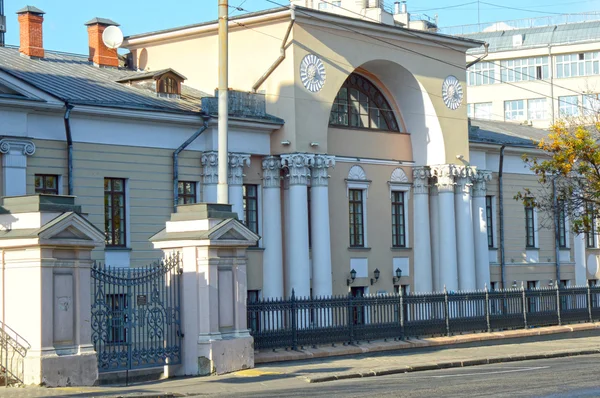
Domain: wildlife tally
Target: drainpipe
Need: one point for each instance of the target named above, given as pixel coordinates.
(556, 230)
(201, 130)
(486, 46)
(68, 108)
(281, 56)
(501, 206)
(551, 71)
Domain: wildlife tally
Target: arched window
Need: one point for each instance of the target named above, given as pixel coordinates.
(360, 104)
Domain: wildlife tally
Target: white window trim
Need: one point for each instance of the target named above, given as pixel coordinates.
(403, 187)
(364, 186)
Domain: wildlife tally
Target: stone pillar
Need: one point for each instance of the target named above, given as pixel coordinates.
(210, 176)
(287, 242)
(319, 214)
(482, 258)
(298, 165)
(271, 237)
(422, 274)
(45, 293)
(212, 245)
(237, 161)
(448, 265)
(435, 236)
(14, 165)
(464, 229)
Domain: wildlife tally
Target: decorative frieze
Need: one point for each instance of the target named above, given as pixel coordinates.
(298, 165)
(237, 161)
(271, 166)
(480, 180)
(320, 165)
(445, 174)
(421, 176)
(210, 164)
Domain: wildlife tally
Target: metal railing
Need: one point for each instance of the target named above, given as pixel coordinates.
(13, 349)
(298, 322)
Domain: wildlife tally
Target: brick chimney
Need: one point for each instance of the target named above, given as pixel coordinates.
(101, 55)
(31, 40)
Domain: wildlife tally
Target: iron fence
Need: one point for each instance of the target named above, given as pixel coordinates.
(299, 321)
(13, 350)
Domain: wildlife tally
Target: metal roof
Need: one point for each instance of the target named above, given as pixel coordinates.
(504, 133)
(101, 21)
(31, 9)
(572, 33)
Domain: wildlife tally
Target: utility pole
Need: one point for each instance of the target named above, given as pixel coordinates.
(222, 187)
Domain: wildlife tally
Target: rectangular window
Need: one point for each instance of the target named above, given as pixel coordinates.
(187, 192)
(398, 220)
(591, 235)
(591, 104)
(308, 201)
(524, 69)
(251, 207)
(46, 184)
(514, 110)
(483, 110)
(530, 226)
(356, 218)
(470, 111)
(581, 64)
(536, 109)
(322, 5)
(489, 218)
(114, 211)
(562, 225)
(568, 105)
(481, 73)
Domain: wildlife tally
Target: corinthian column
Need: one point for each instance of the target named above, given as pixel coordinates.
(319, 217)
(271, 236)
(237, 161)
(445, 184)
(14, 165)
(210, 176)
(482, 259)
(422, 274)
(434, 221)
(298, 165)
(464, 228)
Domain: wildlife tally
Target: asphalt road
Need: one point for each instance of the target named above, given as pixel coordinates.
(561, 377)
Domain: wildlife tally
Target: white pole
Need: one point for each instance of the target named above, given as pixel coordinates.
(222, 188)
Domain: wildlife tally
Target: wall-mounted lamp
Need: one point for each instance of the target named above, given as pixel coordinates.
(352, 277)
(376, 274)
(286, 142)
(514, 285)
(398, 275)
(314, 144)
(550, 283)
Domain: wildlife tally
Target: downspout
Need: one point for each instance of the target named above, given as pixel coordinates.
(68, 108)
(556, 230)
(486, 46)
(201, 130)
(501, 206)
(279, 60)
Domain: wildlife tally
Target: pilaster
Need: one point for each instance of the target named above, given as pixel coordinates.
(14, 165)
(482, 262)
(272, 234)
(422, 273)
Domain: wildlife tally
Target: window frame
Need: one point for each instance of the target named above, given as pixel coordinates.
(565, 107)
(255, 198)
(360, 203)
(44, 190)
(563, 236)
(399, 240)
(487, 115)
(592, 233)
(122, 193)
(182, 195)
(482, 74)
(514, 113)
(530, 241)
(489, 220)
(543, 112)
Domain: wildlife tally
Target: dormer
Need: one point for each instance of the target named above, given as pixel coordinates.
(166, 82)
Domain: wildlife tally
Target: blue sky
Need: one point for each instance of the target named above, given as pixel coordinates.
(64, 19)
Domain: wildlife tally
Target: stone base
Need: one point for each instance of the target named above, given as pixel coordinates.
(61, 370)
(225, 356)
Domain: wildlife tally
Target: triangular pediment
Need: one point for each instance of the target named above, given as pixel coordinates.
(232, 230)
(71, 227)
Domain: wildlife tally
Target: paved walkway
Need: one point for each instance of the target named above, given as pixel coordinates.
(292, 373)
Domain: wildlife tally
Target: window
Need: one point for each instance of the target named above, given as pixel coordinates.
(481, 73)
(482, 111)
(46, 184)
(360, 104)
(582, 64)
(514, 110)
(523, 69)
(398, 220)
(187, 192)
(536, 109)
(568, 105)
(489, 219)
(168, 85)
(322, 5)
(308, 201)
(590, 236)
(114, 211)
(530, 226)
(562, 225)
(591, 104)
(356, 218)
(251, 207)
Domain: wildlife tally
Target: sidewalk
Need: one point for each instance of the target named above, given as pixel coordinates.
(426, 354)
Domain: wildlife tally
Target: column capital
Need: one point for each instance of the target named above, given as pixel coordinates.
(25, 147)
(445, 174)
(271, 166)
(210, 163)
(479, 182)
(421, 176)
(236, 167)
(464, 179)
(320, 164)
(298, 165)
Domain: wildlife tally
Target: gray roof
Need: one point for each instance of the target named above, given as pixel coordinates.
(504, 133)
(31, 9)
(572, 33)
(102, 21)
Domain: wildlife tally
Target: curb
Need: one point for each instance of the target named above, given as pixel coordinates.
(448, 365)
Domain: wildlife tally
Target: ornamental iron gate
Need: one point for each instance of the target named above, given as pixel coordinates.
(136, 315)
